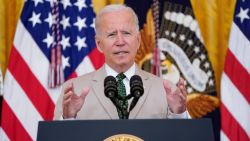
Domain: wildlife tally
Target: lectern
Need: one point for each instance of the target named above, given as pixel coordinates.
(126, 130)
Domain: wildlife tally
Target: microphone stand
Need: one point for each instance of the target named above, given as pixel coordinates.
(125, 112)
(110, 90)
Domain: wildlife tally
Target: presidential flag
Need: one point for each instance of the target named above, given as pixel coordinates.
(54, 41)
(182, 53)
(235, 90)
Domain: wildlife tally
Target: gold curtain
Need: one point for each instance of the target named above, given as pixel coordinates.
(215, 18)
(9, 15)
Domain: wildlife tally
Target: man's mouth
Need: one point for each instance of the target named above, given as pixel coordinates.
(120, 52)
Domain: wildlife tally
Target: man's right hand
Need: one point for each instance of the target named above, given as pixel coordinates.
(72, 103)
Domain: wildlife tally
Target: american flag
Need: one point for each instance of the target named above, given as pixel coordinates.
(27, 95)
(235, 83)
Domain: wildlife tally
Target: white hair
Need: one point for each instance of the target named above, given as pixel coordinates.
(115, 8)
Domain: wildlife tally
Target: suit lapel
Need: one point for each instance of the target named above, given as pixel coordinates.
(98, 87)
(146, 86)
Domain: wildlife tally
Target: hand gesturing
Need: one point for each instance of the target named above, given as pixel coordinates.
(176, 98)
(72, 103)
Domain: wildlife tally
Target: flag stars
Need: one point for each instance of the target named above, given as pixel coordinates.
(209, 73)
(190, 42)
(182, 37)
(76, 28)
(206, 65)
(202, 56)
(167, 32)
(48, 40)
(80, 23)
(93, 23)
(65, 22)
(49, 20)
(243, 14)
(65, 62)
(65, 42)
(37, 1)
(173, 34)
(51, 2)
(80, 43)
(65, 3)
(196, 49)
(80, 4)
(35, 19)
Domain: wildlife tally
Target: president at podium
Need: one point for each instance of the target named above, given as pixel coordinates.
(119, 89)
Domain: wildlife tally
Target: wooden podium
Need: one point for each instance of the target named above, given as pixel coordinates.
(126, 130)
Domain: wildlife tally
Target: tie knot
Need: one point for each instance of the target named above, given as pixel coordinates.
(121, 76)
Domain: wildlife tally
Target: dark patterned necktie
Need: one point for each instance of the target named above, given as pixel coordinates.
(122, 93)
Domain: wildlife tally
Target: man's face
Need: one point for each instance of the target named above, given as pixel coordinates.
(118, 39)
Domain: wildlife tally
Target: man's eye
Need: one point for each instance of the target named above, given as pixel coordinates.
(126, 33)
(111, 35)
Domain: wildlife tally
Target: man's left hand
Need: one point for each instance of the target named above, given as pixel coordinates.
(176, 98)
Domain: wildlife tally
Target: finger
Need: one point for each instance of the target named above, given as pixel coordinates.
(68, 88)
(183, 90)
(65, 102)
(181, 82)
(183, 97)
(85, 92)
(67, 95)
(181, 86)
(167, 86)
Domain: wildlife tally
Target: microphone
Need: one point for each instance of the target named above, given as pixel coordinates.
(110, 89)
(136, 89)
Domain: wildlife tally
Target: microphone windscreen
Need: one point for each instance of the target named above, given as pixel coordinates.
(109, 79)
(135, 79)
(136, 86)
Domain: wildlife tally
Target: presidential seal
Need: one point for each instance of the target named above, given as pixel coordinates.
(123, 137)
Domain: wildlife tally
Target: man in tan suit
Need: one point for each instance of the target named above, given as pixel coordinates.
(118, 38)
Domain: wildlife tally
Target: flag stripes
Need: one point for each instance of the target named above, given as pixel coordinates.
(34, 91)
(39, 100)
(233, 100)
(238, 75)
(30, 121)
(231, 127)
(235, 90)
(240, 47)
(31, 54)
(10, 128)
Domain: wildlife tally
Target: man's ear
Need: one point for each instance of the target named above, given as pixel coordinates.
(97, 42)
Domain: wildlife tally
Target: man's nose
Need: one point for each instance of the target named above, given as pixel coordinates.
(120, 39)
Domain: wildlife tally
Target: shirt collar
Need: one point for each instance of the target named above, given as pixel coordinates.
(129, 73)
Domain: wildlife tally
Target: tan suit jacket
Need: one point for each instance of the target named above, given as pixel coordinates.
(152, 105)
